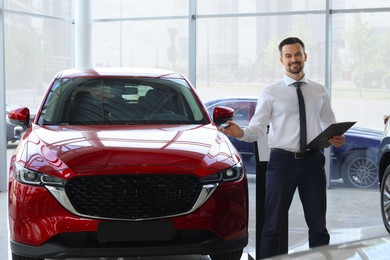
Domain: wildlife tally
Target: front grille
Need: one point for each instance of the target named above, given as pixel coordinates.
(133, 196)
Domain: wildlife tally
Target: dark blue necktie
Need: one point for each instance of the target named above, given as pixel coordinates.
(302, 117)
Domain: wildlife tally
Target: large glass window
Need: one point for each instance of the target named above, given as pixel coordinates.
(63, 8)
(252, 6)
(161, 44)
(239, 56)
(35, 49)
(236, 46)
(354, 4)
(135, 8)
(361, 80)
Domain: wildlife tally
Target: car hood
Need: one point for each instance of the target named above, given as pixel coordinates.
(368, 133)
(69, 150)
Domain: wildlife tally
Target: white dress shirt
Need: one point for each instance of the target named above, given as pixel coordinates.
(278, 107)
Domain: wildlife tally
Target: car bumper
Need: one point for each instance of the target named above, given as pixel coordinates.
(43, 228)
(86, 245)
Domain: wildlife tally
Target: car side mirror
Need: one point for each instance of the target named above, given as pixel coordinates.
(385, 118)
(222, 114)
(20, 116)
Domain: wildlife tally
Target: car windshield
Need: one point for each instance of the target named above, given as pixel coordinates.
(89, 101)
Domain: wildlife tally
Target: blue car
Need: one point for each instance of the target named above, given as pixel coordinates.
(355, 162)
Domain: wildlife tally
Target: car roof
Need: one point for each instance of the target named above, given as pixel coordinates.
(117, 72)
(236, 98)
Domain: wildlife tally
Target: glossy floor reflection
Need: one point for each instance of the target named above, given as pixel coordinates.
(352, 215)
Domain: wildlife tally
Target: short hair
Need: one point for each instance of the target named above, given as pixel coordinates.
(290, 40)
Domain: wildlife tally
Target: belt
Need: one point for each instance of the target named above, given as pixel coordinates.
(297, 155)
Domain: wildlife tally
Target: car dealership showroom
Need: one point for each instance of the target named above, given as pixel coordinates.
(128, 130)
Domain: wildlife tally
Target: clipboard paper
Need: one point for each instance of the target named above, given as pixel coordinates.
(321, 141)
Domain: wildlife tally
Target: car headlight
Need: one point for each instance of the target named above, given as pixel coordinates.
(231, 174)
(31, 177)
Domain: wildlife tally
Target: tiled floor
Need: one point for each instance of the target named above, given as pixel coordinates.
(352, 215)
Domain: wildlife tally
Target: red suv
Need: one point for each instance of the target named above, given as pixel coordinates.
(121, 162)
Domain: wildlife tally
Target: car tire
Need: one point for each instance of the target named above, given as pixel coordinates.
(385, 198)
(360, 171)
(19, 257)
(235, 255)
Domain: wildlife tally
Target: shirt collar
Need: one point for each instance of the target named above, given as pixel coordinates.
(289, 81)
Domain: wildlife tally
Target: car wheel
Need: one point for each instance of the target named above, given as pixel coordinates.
(385, 198)
(360, 171)
(19, 257)
(235, 255)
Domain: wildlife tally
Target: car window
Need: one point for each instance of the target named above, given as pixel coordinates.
(121, 101)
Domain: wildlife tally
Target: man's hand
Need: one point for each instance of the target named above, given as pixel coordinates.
(232, 129)
(337, 141)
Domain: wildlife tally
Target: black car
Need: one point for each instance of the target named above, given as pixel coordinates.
(355, 162)
(384, 174)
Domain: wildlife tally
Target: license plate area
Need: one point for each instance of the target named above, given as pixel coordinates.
(134, 231)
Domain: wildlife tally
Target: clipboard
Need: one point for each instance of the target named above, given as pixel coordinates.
(321, 141)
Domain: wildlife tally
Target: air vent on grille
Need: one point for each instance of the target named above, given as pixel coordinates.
(133, 196)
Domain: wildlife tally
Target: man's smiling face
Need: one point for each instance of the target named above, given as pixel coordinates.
(293, 58)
